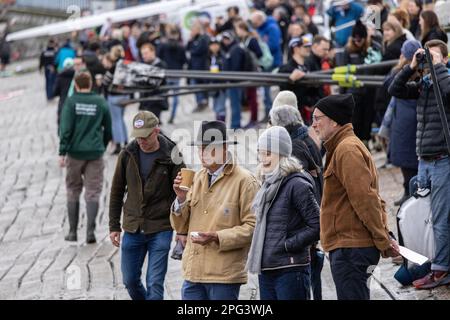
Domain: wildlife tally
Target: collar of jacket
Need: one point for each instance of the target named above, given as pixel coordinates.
(165, 148)
(228, 168)
(342, 133)
(297, 131)
(427, 80)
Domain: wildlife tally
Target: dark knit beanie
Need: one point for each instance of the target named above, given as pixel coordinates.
(359, 30)
(337, 107)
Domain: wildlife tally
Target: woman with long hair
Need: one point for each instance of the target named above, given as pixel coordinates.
(393, 38)
(414, 11)
(429, 24)
(119, 129)
(287, 220)
(399, 124)
(403, 17)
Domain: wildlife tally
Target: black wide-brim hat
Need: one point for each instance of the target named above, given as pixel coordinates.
(212, 132)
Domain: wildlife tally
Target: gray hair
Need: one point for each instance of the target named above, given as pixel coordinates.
(287, 166)
(260, 15)
(285, 116)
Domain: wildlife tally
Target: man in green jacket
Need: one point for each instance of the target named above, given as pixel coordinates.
(85, 132)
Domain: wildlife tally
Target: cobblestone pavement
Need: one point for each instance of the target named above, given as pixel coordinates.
(35, 261)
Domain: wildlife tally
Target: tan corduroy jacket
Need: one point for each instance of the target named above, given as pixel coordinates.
(224, 207)
(352, 213)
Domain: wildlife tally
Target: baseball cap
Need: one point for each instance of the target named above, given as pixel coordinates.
(304, 41)
(143, 124)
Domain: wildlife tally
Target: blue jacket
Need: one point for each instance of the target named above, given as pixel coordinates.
(292, 224)
(270, 32)
(340, 17)
(402, 142)
(64, 52)
(234, 58)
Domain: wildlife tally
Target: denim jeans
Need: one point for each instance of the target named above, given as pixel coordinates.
(209, 291)
(436, 176)
(174, 82)
(50, 79)
(135, 246)
(200, 97)
(267, 100)
(119, 129)
(235, 101)
(350, 268)
(219, 100)
(285, 285)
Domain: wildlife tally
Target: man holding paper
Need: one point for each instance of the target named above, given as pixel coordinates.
(353, 220)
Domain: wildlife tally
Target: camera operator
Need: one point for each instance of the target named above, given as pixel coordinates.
(431, 147)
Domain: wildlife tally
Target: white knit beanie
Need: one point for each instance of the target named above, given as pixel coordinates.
(276, 140)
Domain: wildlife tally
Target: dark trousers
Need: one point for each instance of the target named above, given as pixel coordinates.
(50, 79)
(351, 268)
(285, 285)
(408, 174)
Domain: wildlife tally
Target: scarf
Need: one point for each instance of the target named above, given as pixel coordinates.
(261, 205)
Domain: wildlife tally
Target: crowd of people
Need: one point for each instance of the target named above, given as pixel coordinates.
(266, 223)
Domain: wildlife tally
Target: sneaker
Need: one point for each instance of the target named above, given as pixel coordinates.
(432, 280)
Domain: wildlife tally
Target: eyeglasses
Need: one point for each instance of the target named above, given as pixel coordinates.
(317, 118)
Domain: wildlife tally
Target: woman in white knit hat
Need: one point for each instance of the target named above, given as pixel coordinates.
(287, 220)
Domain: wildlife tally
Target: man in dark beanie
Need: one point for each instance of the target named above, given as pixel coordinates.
(353, 220)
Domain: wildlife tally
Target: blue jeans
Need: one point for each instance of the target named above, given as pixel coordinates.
(174, 82)
(267, 100)
(235, 101)
(50, 79)
(219, 104)
(210, 291)
(119, 129)
(200, 97)
(135, 246)
(436, 176)
(286, 285)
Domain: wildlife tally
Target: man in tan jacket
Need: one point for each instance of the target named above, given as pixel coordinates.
(353, 221)
(217, 217)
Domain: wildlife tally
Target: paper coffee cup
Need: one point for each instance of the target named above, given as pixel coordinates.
(187, 177)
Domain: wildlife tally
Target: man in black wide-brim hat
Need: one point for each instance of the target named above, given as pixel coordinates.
(215, 219)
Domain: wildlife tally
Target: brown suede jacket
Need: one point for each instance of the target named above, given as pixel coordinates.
(352, 213)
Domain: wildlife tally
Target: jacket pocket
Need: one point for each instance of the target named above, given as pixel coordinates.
(227, 215)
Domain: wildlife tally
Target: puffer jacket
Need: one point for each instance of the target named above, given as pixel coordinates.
(292, 224)
(430, 140)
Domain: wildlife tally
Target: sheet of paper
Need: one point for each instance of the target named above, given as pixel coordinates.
(412, 256)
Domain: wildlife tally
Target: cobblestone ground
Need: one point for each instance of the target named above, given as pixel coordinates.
(35, 261)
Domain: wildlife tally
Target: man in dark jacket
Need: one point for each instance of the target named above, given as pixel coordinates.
(174, 54)
(431, 147)
(85, 133)
(233, 15)
(47, 62)
(148, 53)
(234, 61)
(197, 48)
(144, 173)
(93, 64)
(296, 66)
